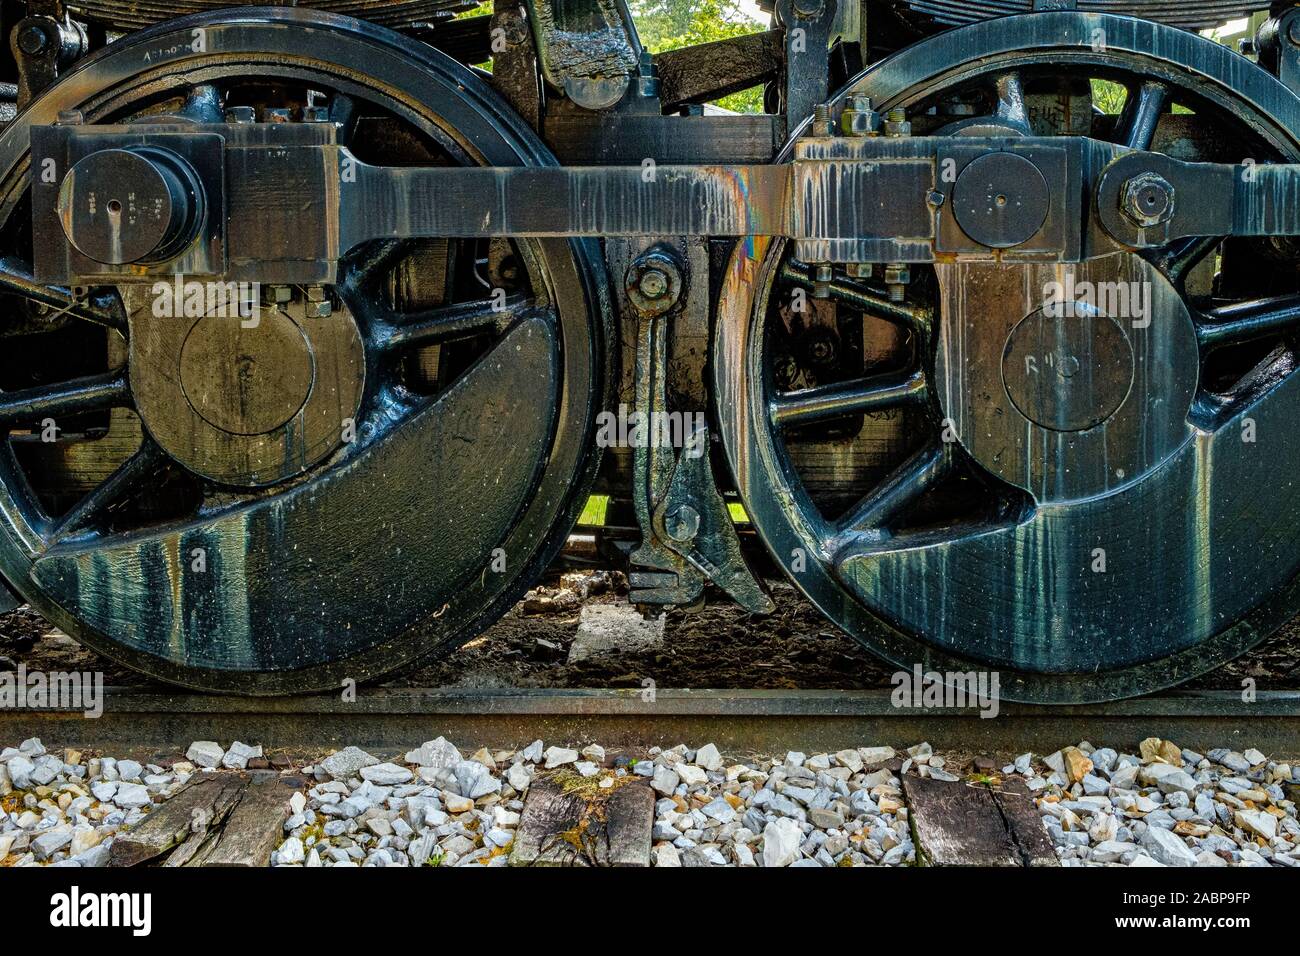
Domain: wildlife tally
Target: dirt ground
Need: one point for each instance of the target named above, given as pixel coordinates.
(720, 646)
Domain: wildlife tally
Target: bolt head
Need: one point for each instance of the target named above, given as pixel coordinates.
(896, 123)
(859, 120)
(897, 273)
(653, 284)
(823, 276)
(318, 305)
(682, 523)
(822, 351)
(1148, 200)
(33, 40)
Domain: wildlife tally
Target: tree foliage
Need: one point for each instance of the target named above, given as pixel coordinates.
(672, 24)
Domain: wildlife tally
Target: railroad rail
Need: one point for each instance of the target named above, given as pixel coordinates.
(738, 721)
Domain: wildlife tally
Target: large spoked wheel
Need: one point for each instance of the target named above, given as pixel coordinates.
(372, 473)
(1094, 506)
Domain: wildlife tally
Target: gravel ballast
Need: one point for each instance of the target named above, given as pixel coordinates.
(436, 805)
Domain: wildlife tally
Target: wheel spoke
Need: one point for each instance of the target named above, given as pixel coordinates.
(1246, 321)
(1179, 258)
(459, 321)
(808, 406)
(912, 479)
(120, 485)
(203, 104)
(90, 394)
(100, 309)
(343, 114)
(1141, 116)
(1010, 90)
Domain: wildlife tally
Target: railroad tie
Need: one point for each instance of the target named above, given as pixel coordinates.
(219, 820)
(975, 824)
(571, 820)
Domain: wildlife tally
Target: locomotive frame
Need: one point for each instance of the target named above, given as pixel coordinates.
(458, 276)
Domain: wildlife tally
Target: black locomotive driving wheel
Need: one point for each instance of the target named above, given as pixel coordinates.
(1094, 504)
(371, 472)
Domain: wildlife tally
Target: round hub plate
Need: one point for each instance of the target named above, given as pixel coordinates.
(1068, 371)
(121, 205)
(1001, 200)
(245, 400)
(246, 381)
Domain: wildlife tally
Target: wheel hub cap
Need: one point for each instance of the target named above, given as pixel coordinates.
(1067, 373)
(244, 399)
(262, 380)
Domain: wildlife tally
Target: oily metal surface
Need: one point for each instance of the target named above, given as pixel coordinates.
(262, 607)
(246, 402)
(1001, 200)
(1193, 571)
(1072, 405)
(361, 567)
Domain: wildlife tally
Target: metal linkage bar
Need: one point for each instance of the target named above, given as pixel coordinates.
(1148, 200)
(864, 200)
(547, 202)
(879, 208)
(842, 199)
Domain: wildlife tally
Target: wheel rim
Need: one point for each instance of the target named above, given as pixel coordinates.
(356, 561)
(992, 594)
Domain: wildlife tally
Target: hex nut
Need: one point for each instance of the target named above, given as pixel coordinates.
(1148, 200)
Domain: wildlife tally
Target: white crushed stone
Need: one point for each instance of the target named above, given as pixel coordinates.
(1166, 806)
(1161, 806)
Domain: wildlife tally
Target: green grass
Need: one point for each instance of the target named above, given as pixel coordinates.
(593, 516)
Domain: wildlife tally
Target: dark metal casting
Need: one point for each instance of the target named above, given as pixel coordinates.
(997, 345)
